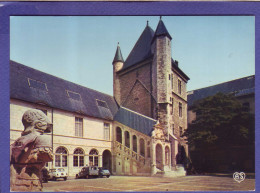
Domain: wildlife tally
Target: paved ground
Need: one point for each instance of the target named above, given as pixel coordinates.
(125, 183)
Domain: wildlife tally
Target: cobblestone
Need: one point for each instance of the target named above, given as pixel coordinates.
(133, 183)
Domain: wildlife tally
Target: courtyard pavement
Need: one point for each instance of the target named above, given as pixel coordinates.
(134, 183)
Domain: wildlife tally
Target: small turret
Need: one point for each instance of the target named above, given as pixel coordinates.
(118, 58)
(118, 63)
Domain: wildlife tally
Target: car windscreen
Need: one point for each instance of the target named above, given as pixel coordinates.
(61, 170)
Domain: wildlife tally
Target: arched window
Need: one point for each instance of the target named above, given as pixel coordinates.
(78, 158)
(119, 135)
(93, 157)
(134, 143)
(142, 148)
(61, 157)
(127, 139)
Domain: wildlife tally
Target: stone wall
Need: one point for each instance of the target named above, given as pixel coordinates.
(125, 160)
(64, 133)
(135, 88)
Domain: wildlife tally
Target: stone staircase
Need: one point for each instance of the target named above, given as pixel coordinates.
(131, 155)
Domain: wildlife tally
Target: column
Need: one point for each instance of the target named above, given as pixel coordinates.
(123, 137)
(131, 141)
(87, 160)
(100, 161)
(163, 157)
(153, 156)
(138, 146)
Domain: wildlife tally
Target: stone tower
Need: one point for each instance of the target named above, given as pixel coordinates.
(161, 72)
(151, 83)
(118, 63)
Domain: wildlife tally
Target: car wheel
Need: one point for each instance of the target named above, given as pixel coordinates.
(108, 176)
(65, 178)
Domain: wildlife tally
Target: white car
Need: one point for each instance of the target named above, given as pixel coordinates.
(58, 173)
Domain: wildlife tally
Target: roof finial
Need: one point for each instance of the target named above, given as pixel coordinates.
(160, 17)
(147, 23)
(117, 43)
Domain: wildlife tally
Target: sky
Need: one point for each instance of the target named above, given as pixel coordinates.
(80, 49)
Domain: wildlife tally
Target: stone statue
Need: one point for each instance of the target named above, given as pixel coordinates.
(30, 152)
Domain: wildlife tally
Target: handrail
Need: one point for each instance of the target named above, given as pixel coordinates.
(128, 151)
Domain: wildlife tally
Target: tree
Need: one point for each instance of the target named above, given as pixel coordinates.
(221, 123)
(220, 120)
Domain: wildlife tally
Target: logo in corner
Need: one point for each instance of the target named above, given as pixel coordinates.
(239, 177)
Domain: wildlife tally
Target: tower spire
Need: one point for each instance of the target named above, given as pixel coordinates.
(161, 30)
(118, 56)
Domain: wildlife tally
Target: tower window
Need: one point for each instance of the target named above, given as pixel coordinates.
(172, 81)
(180, 110)
(181, 131)
(179, 86)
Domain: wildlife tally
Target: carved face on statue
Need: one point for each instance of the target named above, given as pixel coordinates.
(36, 121)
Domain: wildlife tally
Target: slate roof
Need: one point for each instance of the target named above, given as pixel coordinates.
(118, 56)
(135, 120)
(238, 87)
(161, 30)
(34, 86)
(142, 48)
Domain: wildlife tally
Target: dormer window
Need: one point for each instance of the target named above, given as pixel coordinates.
(102, 103)
(37, 84)
(74, 95)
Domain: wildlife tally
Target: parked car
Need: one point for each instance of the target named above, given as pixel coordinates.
(103, 172)
(58, 173)
(45, 175)
(87, 172)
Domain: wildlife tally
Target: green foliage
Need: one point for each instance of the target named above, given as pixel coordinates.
(221, 120)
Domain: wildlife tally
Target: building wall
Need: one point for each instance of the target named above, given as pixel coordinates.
(126, 161)
(135, 94)
(64, 133)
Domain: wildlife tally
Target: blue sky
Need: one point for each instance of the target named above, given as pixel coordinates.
(80, 49)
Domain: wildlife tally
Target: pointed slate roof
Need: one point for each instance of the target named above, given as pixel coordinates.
(135, 120)
(28, 84)
(161, 30)
(118, 56)
(142, 48)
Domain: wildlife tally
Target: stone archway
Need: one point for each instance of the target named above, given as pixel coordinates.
(159, 156)
(107, 160)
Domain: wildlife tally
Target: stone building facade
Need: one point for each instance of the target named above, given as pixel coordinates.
(135, 132)
(150, 82)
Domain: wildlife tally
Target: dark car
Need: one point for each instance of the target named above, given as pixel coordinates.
(45, 175)
(88, 172)
(103, 172)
